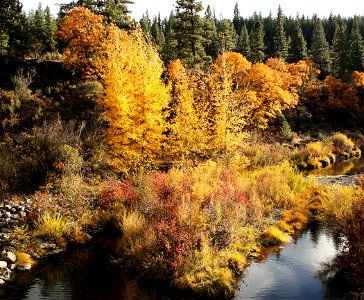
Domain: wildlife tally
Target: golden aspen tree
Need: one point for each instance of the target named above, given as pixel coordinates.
(134, 101)
(229, 99)
(83, 32)
(187, 122)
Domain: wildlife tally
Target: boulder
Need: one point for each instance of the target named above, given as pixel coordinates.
(3, 264)
(10, 257)
(5, 274)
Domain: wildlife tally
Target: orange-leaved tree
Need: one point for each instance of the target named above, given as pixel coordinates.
(83, 33)
(342, 97)
(134, 101)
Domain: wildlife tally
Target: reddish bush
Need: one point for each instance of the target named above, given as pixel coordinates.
(113, 192)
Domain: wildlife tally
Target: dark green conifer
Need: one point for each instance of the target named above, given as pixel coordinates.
(297, 45)
(320, 51)
(256, 38)
(189, 34)
(280, 39)
(356, 48)
(244, 43)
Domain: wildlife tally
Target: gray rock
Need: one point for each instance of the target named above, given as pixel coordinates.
(10, 257)
(3, 264)
(24, 267)
(5, 274)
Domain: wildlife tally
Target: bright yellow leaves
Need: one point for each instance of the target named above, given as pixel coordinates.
(194, 115)
(135, 97)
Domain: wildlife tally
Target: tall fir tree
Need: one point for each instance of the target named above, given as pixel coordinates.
(237, 19)
(12, 23)
(227, 36)
(256, 38)
(269, 30)
(210, 33)
(339, 51)
(244, 43)
(169, 51)
(356, 46)
(320, 50)
(297, 45)
(157, 32)
(50, 31)
(146, 24)
(280, 39)
(189, 34)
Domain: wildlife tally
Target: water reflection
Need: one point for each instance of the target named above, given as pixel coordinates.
(291, 273)
(345, 167)
(294, 272)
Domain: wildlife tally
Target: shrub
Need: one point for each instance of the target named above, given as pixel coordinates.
(341, 143)
(114, 192)
(53, 227)
(274, 236)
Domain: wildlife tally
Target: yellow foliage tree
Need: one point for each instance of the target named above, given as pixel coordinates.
(187, 114)
(134, 101)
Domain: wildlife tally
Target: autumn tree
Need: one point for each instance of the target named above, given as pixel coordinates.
(187, 127)
(83, 32)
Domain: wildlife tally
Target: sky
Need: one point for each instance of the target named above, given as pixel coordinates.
(225, 8)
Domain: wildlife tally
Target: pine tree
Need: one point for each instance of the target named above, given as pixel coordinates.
(146, 24)
(340, 57)
(269, 31)
(210, 33)
(50, 30)
(188, 30)
(356, 52)
(157, 32)
(256, 38)
(12, 22)
(320, 51)
(244, 43)
(280, 39)
(237, 19)
(227, 36)
(297, 45)
(169, 51)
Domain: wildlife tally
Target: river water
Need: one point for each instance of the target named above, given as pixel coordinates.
(290, 272)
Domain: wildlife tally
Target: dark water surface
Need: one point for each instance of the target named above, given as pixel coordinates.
(285, 273)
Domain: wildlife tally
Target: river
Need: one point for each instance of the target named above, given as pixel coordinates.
(289, 272)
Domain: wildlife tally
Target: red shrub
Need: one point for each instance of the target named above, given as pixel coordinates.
(113, 192)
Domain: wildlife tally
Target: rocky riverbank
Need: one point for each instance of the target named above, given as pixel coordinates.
(12, 214)
(345, 180)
